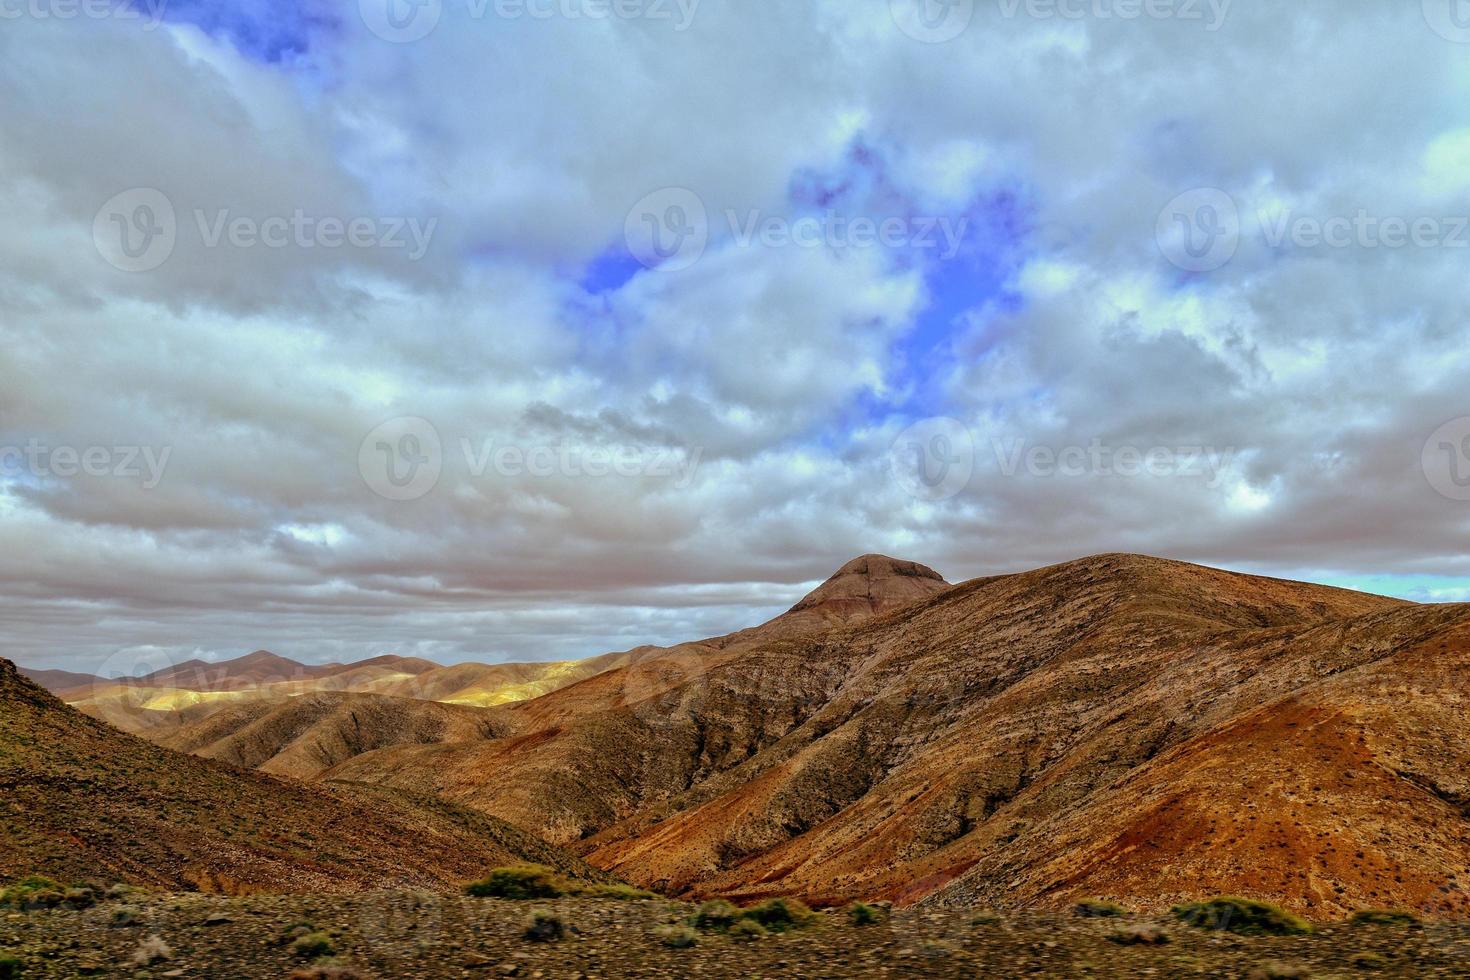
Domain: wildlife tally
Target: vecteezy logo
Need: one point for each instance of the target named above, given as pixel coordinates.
(402, 458)
(400, 21)
(1450, 19)
(1446, 459)
(668, 230)
(933, 459)
(1199, 230)
(932, 21)
(136, 230)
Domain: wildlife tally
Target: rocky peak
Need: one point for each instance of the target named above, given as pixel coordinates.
(877, 579)
(866, 587)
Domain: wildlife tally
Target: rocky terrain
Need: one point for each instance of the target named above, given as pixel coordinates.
(82, 801)
(415, 934)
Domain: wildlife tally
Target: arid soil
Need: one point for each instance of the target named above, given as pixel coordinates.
(407, 935)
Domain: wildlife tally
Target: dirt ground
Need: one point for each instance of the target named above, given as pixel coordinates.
(407, 934)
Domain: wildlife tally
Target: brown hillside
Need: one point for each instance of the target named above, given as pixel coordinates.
(307, 735)
(83, 801)
(1019, 740)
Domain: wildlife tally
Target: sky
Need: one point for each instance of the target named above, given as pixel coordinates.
(533, 329)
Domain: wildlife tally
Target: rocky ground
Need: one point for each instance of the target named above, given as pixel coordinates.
(402, 935)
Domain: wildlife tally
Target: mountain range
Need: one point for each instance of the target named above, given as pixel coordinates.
(1121, 726)
(83, 801)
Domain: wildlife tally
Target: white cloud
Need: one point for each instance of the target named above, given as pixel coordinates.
(789, 369)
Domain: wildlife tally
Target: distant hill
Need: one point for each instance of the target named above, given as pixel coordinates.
(83, 801)
(59, 680)
(307, 735)
(195, 689)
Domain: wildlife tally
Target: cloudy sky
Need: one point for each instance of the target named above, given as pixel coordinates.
(530, 329)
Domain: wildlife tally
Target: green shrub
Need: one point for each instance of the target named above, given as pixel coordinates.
(863, 914)
(33, 892)
(715, 916)
(295, 931)
(1096, 908)
(123, 917)
(10, 966)
(617, 893)
(677, 937)
(543, 927)
(1242, 916)
(747, 931)
(79, 898)
(520, 882)
(1369, 960)
(780, 914)
(1384, 917)
(313, 945)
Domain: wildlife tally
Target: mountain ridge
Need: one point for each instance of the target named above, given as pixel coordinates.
(84, 801)
(884, 759)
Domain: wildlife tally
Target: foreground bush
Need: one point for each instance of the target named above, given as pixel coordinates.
(313, 945)
(716, 916)
(747, 931)
(80, 898)
(520, 882)
(10, 967)
(780, 914)
(618, 893)
(1096, 908)
(544, 927)
(33, 892)
(863, 914)
(1242, 916)
(1384, 917)
(124, 917)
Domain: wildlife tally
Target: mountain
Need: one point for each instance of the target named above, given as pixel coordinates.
(59, 680)
(159, 703)
(862, 589)
(252, 670)
(1124, 726)
(193, 690)
(294, 728)
(83, 801)
(307, 735)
